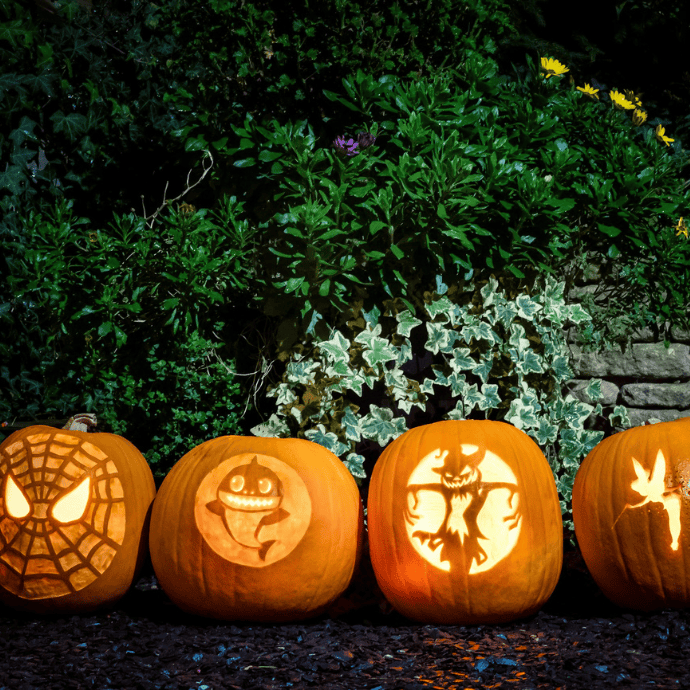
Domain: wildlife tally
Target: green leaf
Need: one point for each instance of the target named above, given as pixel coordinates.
(73, 125)
(406, 322)
(609, 230)
(397, 252)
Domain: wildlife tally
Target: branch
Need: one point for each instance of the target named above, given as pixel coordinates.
(166, 202)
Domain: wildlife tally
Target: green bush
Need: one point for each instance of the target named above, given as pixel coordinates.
(135, 321)
(81, 107)
(470, 173)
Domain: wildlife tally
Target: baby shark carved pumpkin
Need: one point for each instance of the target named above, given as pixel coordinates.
(258, 529)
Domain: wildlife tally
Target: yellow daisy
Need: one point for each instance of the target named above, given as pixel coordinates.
(635, 100)
(620, 102)
(552, 68)
(682, 228)
(639, 116)
(589, 91)
(659, 132)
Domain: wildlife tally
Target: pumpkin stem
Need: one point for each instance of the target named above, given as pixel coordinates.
(81, 422)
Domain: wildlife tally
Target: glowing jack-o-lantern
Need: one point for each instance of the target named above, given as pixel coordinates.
(631, 507)
(464, 523)
(74, 508)
(247, 528)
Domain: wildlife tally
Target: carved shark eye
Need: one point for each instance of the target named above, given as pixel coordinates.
(237, 483)
(72, 506)
(265, 485)
(17, 503)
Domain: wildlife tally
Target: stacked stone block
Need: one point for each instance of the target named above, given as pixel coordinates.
(650, 380)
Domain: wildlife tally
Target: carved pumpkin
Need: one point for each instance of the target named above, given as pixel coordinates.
(259, 529)
(631, 509)
(74, 510)
(464, 523)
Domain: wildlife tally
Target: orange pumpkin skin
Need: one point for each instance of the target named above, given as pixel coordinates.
(464, 523)
(56, 561)
(631, 509)
(256, 529)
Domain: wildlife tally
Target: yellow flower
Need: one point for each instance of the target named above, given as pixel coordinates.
(659, 133)
(620, 102)
(639, 116)
(553, 68)
(635, 100)
(682, 228)
(589, 91)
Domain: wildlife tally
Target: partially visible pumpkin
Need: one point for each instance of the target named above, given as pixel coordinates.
(74, 511)
(631, 509)
(257, 529)
(465, 523)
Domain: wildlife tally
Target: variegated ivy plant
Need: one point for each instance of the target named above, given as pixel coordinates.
(314, 399)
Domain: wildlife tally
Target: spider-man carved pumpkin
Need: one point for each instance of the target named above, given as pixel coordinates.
(74, 509)
(259, 529)
(464, 523)
(631, 509)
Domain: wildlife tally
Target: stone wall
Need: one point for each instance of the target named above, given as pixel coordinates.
(648, 379)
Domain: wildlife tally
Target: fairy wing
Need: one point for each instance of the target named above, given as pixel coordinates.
(651, 484)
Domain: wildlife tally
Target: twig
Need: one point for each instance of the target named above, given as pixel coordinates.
(152, 217)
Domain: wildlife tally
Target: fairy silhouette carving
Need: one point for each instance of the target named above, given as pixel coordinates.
(653, 489)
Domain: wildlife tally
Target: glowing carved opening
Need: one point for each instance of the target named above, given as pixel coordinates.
(17, 504)
(463, 508)
(72, 506)
(252, 509)
(652, 487)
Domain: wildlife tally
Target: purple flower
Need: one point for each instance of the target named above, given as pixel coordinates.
(349, 147)
(346, 146)
(364, 139)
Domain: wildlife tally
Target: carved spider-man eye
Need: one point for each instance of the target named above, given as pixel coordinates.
(16, 501)
(72, 506)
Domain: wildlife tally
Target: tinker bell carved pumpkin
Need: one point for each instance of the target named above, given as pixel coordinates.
(631, 508)
(465, 523)
(259, 529)
(73, 507)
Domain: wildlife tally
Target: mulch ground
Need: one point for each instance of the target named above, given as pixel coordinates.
(578, 640)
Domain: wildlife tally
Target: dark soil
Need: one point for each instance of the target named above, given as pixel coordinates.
(578, 640)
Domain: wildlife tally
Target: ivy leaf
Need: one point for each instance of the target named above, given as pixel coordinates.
(406, 322)
(355, 463)
(439, 339)
(491, 399)
(273, 428)
(352, 426)
(378, 425)
(527, 307)
(73, 125)
(337, 348)
(327, 439)
(380, 351)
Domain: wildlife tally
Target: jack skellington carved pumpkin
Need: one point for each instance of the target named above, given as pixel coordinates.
(465, 523)
(74, 509)
(258, 529)
(631, 510)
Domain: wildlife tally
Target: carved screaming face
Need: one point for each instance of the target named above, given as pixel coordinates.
(463, 509)
(259, 509)
(62, 515)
